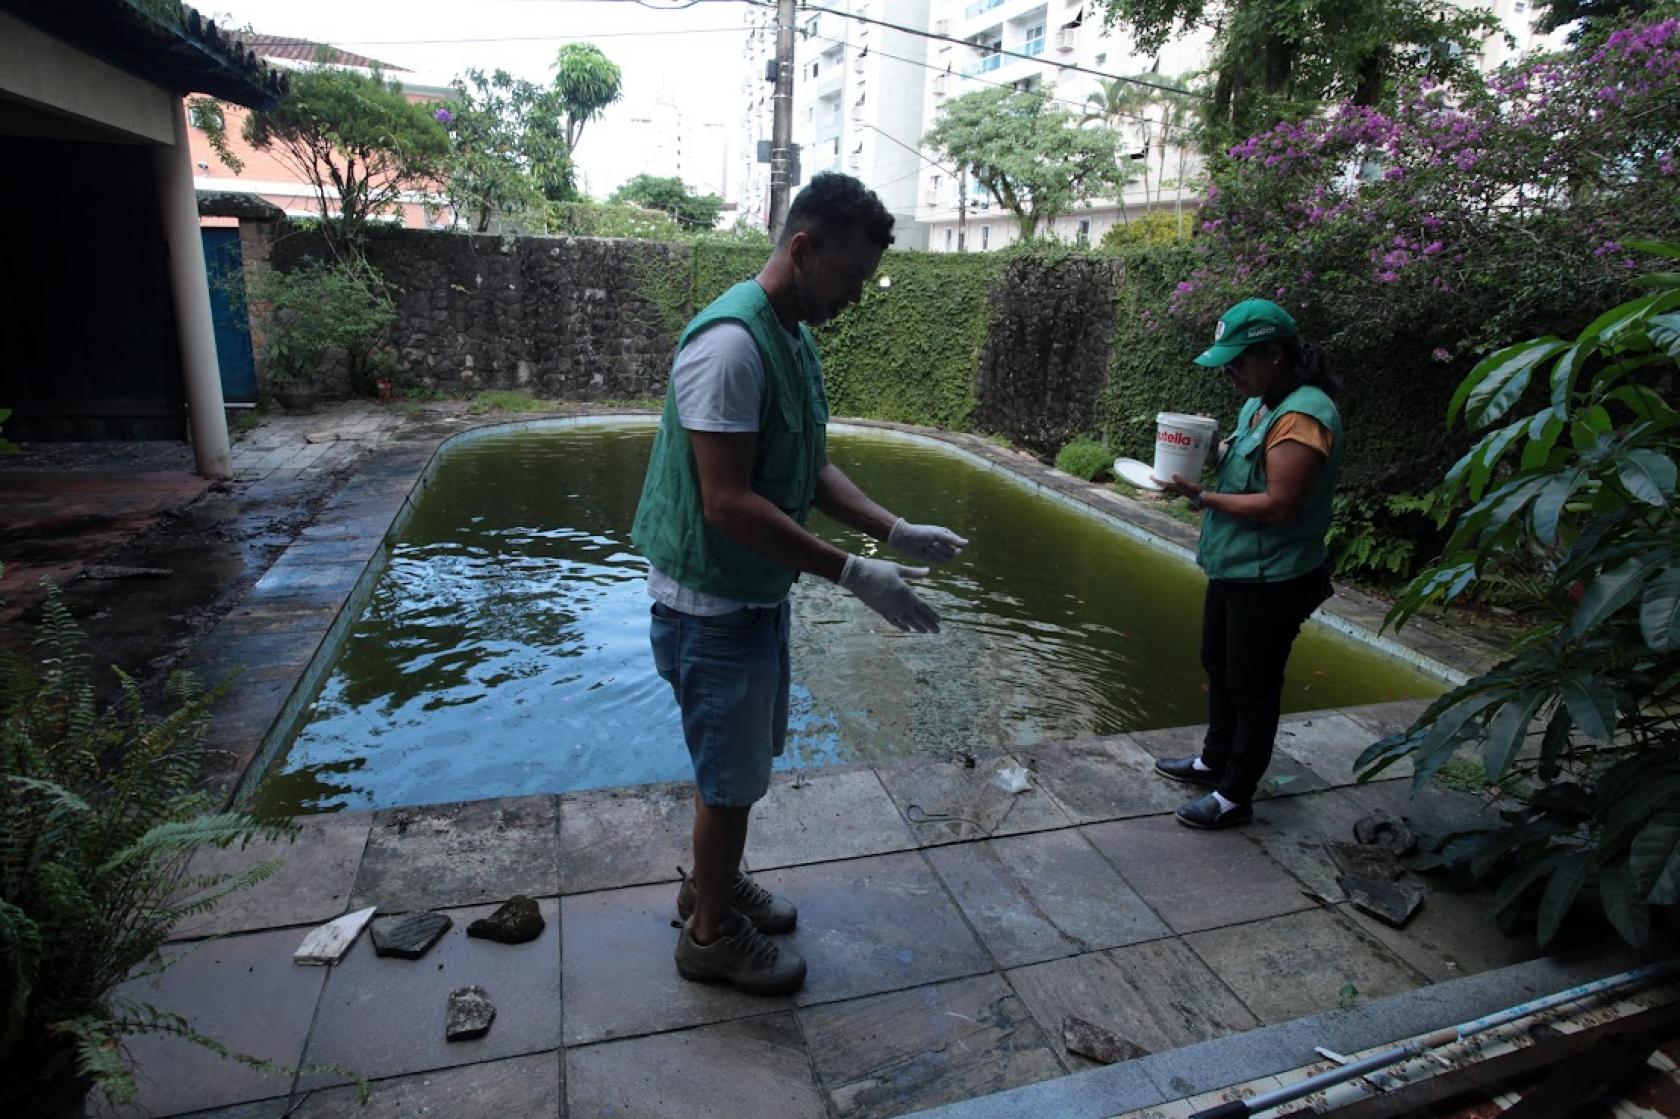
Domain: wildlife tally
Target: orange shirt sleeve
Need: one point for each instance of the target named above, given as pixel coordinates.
(1301, 428)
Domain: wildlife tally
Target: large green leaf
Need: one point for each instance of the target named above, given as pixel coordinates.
(1654, 859)
(1549, 504)
(1507, 732)
(1592, 705)
(1661, 281)
(1587, 343)
(1629, 915)
(1524, 876)
(1664, 332)
(1628, 813)
(1565, 886)
(1543, 432)
(1493, 450)
(1642, 401)
(1487, 393)
(1648, 475)
(1612, 590)
(1659, 611)
(1670, 249)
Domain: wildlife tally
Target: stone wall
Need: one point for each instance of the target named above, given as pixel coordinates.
(1046, 358)
(581, 318)
(562, 317)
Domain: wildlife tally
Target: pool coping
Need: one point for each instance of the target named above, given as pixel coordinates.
(317, 588)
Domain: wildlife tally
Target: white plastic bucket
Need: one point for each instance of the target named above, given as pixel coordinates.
(1181, 445)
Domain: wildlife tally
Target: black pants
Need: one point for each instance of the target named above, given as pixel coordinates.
(1247, 631)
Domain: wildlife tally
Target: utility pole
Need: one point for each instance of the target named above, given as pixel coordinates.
(962, 209)
(781, 126)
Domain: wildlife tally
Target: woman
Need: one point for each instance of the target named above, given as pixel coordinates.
(1262, 546)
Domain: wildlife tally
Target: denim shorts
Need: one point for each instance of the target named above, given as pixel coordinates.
(730, 676)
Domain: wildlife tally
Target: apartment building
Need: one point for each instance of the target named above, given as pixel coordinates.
(1028, 44)
(858, 98)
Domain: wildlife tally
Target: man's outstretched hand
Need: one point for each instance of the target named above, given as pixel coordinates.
(928, 543)
(883, 588)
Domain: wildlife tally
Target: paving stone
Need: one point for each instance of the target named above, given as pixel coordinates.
(277, 1108)
(1103, 779)
(874, 924)
(619, 975)
(1196, 879)
(889, 1054)
(1292, 830)
(527, 1087)
(1303, 963)
(808, 818)
(752, 1067)
(1328, 744)
(312, 885)
(245, 992)
(1392, 903)
(1285, 777)
(1037, 897)
(229, 648)
(457, 854)
(1086, 1039)
(625, 837)
(946, 801)
(1158, 995)
(317, 581)
(1451, 936)
(385, 1018)
(410, 937)
(1384, 719)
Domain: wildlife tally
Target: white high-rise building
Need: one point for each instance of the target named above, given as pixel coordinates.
(1516, 19)
(857, 103)
(1048, 33)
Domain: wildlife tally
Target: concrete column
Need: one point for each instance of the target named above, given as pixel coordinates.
(191, 286)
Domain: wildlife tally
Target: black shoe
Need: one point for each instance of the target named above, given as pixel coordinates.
(1204, 812)
(1184, 769)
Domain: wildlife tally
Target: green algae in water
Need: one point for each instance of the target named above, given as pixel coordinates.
(505, 651)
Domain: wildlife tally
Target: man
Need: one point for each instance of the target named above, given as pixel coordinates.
(740, 459)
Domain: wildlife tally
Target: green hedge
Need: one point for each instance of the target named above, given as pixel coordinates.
(907, 352)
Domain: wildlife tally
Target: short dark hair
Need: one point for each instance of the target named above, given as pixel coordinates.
(833, 204)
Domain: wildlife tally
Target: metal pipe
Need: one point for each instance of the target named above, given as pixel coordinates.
(1237, 1109)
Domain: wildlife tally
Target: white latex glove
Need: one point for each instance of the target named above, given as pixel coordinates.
(882, 587)
(928, 543)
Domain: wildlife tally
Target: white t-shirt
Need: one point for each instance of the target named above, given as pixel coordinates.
(718, 380)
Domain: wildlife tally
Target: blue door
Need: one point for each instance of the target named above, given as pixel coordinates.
(225, 266)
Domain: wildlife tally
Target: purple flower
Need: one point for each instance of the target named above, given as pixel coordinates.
(1440, 354)
(443, 116)
(1432, 248)
(1185, 287)
(1394, 173)
(1607, 248)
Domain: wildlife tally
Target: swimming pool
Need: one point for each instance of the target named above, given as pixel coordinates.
(503, 649)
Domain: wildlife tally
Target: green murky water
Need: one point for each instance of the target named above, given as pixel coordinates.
(505, 648)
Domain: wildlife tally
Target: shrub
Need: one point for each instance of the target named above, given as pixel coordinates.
(320, 308)
(1580, 719)
(1085, 458)
(97, 820)
(1157, 227)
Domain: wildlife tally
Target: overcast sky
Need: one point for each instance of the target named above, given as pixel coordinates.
(694, 54)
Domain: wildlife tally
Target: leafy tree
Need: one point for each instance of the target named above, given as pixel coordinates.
(587, 82)
(508, 149)
(1033, 159)
(1281, 59)
(672, 195)
(1592, 14)
(357, 140)
(1579, 724)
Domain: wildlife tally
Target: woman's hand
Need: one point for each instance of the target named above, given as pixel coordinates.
(1180, 486)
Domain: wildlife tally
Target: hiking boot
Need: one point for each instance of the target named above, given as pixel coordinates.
(741, 957)
(1184, 769)
(768, 913)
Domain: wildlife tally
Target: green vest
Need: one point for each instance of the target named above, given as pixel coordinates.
(670, 527)
(1249, 551)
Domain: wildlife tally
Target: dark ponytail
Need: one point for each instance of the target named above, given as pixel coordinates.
(1311, 366)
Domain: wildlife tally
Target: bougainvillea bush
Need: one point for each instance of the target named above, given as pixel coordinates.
(1414, 241)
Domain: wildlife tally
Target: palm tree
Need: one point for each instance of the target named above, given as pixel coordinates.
(1178, 116)
(1122, 105)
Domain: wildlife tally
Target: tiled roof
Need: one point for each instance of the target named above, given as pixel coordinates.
(162, 41)
(302, 50)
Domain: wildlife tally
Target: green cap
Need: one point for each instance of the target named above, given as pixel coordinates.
(1251, 321)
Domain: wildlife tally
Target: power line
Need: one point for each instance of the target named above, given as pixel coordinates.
(1068, 66)
(541, 38)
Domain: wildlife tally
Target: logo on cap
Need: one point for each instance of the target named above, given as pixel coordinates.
(1219, 330)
